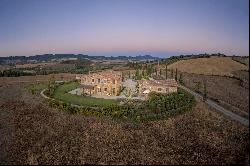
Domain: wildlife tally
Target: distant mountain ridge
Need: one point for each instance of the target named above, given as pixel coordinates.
(46, 57)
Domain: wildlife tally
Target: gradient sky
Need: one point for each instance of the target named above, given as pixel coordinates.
(124, 27)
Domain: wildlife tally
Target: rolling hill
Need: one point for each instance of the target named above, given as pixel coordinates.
(209, 66)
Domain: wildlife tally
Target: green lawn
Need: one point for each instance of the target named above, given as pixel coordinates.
(36, 88)
(61, 93)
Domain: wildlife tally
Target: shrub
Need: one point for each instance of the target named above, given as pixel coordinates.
(158, 106)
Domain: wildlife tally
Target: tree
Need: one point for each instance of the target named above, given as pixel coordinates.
(32, 89)
(205, 90)
(176, 75)
(160, 72)
(166, 71)
(198, 86)
(51, 85)
(149, 70)
(137, 75)
(181, 79)
(146, 67)
(137, 88)
(122, 76)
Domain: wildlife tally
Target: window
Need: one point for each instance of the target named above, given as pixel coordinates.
(93, 80)
(113, 90)
(99, 80)
(105, 89)
(99, 89)
(159, 89)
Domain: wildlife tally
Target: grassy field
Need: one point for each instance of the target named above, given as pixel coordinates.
(209, 66)
(61, 93)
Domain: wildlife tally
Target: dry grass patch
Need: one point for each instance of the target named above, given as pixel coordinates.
(41, 135)
(23, 79)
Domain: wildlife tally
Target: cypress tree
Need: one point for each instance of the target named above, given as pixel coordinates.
(176, 74)
(205, 90)
(137, 73)
(166, 71)
(122, 76)
(180, 79)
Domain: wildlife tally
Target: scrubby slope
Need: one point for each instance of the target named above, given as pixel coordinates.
(36, 134)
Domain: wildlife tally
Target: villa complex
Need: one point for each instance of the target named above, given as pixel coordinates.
(110, 83)
(101, 83)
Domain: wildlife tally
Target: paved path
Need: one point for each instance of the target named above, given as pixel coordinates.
(73, 105)
(43, 95)
(217, 107)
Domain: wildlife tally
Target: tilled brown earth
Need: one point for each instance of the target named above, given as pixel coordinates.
(36, 134)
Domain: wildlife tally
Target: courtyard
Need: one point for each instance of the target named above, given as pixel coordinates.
(128, 92)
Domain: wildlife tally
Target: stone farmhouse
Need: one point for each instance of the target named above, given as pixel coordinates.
(101, 83)
(160, 86)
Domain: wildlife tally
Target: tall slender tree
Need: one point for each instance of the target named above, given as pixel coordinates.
(181, 79)
(122, 76)
(166, 71)
(176, 74)
(205, 90)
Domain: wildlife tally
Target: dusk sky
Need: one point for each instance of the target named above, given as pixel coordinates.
(124, 27)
